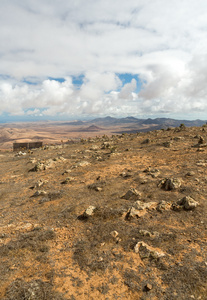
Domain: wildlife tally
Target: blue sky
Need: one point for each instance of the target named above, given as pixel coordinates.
(83, 59)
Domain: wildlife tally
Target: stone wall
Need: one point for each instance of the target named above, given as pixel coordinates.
(24, 146)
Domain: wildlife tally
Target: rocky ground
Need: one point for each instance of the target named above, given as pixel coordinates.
(107, 218)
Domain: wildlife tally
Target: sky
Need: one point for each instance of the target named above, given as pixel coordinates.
(77, 59)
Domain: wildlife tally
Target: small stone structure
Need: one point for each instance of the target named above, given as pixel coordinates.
(26, 146)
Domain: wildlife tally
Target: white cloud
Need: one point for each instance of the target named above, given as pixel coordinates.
(163, 42)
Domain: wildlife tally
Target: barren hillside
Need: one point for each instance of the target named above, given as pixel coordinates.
(121, 217)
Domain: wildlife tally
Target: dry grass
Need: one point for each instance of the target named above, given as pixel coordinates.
(49, 250)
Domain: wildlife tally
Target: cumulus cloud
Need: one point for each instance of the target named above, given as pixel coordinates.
(162, 42)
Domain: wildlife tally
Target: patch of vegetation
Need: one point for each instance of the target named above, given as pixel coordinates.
(34, 241)
(33, 290)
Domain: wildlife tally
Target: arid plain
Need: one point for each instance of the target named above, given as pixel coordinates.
(109, 217)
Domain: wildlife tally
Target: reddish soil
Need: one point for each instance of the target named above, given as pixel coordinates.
(51, 249)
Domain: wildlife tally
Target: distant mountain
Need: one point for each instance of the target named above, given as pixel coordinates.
(108, 121)
(105, 121)
(72, 123)
(91, 128)
(173, 122)
(156, 123)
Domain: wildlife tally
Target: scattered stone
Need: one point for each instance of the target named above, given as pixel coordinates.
(105, 145)
(200, 150)
(163, 205)
(126, 174)
(190, 173)
(39, 193)
(170, 183)
(99, 158)
(167, 144)
(149, 234)
(146, 251)
(66, 172)
(153, 172)
(114, 234)
(87, 213)
(20, 153)
(201, 164)
(197, 136)
(41, 182)
(90, 210)
(188, 203)
(143, 205)
(178, 138)
(148, 287)
(94, 147)
(139, 209)
(24, 227)
(146, 141)
(145, 233)
(40, 166)
(82, 164)
(44, 199)
(97, 186)
(201, 140)
(132, 194)
(67, 180)
(32, 160)
(134, 213)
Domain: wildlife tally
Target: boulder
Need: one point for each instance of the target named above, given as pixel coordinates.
(188, 203)
(170, 184)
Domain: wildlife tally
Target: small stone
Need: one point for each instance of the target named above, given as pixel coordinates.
(89, 211)
(190, 173)
(134, 213)
(163, 205)
(146, 251)
(39, 193)
(201, 140)
(143, 205)
(66, 172)
(132, 194)
(24, 227)
(153, 172)
(125, 174)
(148, 287)
(167, 144)
(145, 233)
(82, 164)
(67, 180)
(114, 234)
(105, 145)
(170, 183)
(146, 141)
(94, 147)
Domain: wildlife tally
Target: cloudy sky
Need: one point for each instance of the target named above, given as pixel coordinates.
(76, 59)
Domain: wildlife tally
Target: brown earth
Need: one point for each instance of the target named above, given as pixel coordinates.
(55, 132)
(53, 245)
